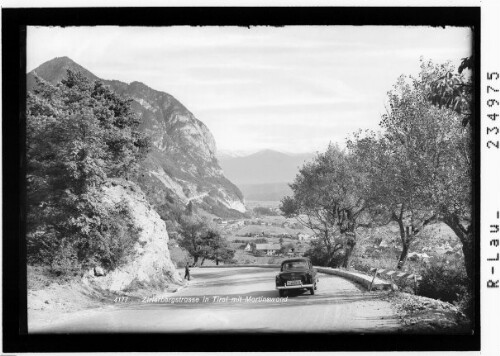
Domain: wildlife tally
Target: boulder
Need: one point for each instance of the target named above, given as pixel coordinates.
(98, 271)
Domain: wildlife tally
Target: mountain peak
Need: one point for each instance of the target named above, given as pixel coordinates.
(55, 70)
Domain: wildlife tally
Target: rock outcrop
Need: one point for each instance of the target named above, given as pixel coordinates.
(149, 265)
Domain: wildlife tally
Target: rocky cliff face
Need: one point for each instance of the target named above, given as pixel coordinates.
(182, 166)
(149, 264)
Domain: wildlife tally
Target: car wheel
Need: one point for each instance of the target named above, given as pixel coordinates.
(311, 290)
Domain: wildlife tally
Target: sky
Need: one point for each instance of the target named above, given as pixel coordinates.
(291, 89)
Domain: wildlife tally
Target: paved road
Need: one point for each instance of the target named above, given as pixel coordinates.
(338, 306)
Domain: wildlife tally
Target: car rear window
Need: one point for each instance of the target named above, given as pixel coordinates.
(294, 265)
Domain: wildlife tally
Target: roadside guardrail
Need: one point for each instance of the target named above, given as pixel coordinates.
(392, 275)
(365, 280)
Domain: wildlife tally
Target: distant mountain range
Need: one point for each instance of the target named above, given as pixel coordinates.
(182, 166)
(264, 175)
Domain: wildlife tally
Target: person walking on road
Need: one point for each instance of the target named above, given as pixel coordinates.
(187, 275)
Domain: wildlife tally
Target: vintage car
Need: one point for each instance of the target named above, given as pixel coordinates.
(296, 273)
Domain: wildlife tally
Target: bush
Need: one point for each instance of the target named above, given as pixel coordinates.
(258, 253)
(361, 266)
(106, 241)
(444, 281)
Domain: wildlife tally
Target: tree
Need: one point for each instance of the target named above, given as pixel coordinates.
(445, 88)
(203, 241)
(284, 249)
(452, 184)
(79, 134)
(217, 248)
(192, 230)
(189, 208)
(329, 198)
(421, 163)
(402, 162)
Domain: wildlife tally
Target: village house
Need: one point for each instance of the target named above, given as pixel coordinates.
(248, 247)
(303, 236)
(268, 249)
(238, 223)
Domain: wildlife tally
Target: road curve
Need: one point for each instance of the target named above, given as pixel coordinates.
(233, 299)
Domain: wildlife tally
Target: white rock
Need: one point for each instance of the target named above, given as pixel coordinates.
(148, 263)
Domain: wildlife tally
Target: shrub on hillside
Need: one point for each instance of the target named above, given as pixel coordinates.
(444, 281)
(319, 257)
(108, 246)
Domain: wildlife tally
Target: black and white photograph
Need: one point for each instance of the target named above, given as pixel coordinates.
(303, 179)
(262, 179)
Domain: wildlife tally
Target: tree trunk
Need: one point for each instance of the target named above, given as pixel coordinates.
(195, 260)
(404, 241)
(468, 250)
(331, 255)
(351, 243)
(203, 260)
(466, 237)
(216, 262)
(404, 254)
